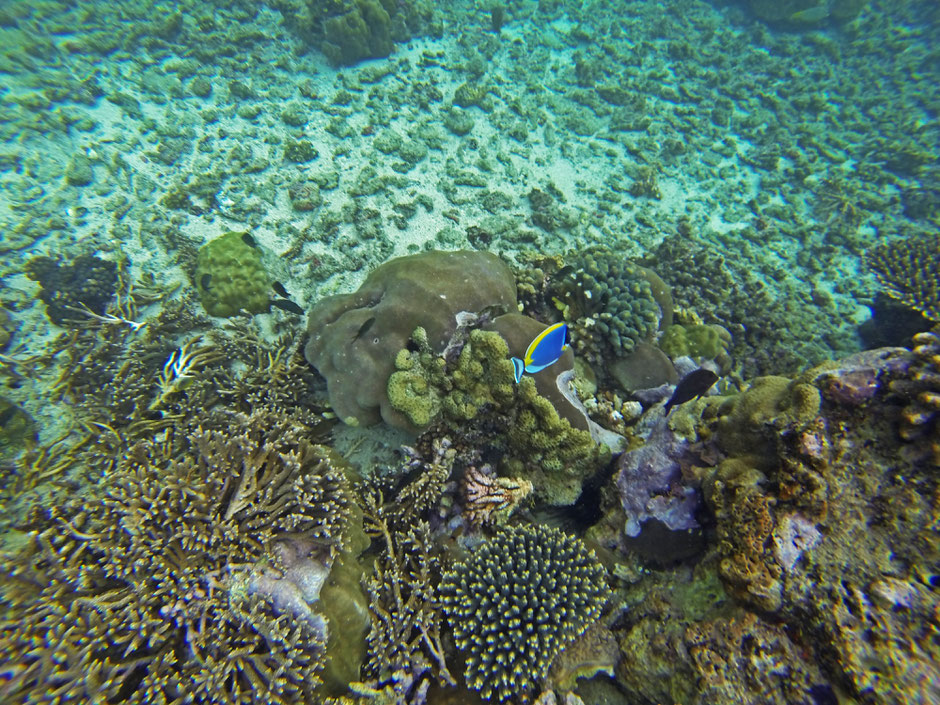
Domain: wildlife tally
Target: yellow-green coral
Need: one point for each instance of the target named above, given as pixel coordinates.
(536, 442)
(907, 269)
(230, 276)
(697, 340)
(415, 388)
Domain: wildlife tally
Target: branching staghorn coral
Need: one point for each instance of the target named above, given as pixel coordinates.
(184, 576)
(404, 641)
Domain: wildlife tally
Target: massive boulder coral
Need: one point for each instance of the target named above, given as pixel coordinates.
(184, 576)
(355, 338)
(517, 603)
(230, 276)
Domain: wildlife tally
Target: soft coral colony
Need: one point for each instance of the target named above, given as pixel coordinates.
(205, 543)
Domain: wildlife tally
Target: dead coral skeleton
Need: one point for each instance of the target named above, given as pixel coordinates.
(180, 370)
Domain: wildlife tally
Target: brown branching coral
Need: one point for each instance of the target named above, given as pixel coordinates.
(404, 641)
(907, 269)
(184, 576)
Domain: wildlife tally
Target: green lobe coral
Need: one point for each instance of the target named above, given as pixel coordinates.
(230, 276)
(517, 602)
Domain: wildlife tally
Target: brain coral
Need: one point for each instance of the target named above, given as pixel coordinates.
(517, 602)
(355, 338)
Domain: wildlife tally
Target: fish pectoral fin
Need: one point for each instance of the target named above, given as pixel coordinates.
(518, 367)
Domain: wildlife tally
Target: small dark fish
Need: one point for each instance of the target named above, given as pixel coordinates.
(692, 386)
(249, 240)
(287, 305)
(204, 281)
(363, 329)
(280, 290)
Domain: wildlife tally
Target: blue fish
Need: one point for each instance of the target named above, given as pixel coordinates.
(544, 350)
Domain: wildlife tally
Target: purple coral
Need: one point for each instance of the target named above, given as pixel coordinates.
(650, 482)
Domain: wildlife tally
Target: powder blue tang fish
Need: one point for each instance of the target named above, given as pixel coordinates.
(544, 350)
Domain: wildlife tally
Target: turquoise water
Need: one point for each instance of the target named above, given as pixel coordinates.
(192, 193)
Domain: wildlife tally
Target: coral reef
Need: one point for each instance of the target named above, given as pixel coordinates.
(770, 335)
(907, 269)
(353, 30)
(362, 31)
(230, 276)
(187, 573)
(354, 338)
(517, 602)
(816, 526)
(700, 341)
(809, 13)
(88, 283)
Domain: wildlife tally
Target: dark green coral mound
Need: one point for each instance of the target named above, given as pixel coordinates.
(907, 269)
(609, 303)
(517, 602)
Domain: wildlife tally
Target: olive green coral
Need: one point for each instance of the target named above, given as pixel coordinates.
(184, 576)
(230, 276)
(517, 602)
(907, 269)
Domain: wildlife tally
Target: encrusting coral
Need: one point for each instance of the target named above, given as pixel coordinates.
(907, 269)
(186, 575)
(517, 602)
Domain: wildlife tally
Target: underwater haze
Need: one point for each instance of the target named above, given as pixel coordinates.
(529, 352)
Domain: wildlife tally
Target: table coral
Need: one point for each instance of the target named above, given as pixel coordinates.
(518, 602)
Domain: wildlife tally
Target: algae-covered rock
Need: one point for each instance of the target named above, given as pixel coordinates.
(17, 429)
(230, 276)
(355, 338)
(363, 31)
